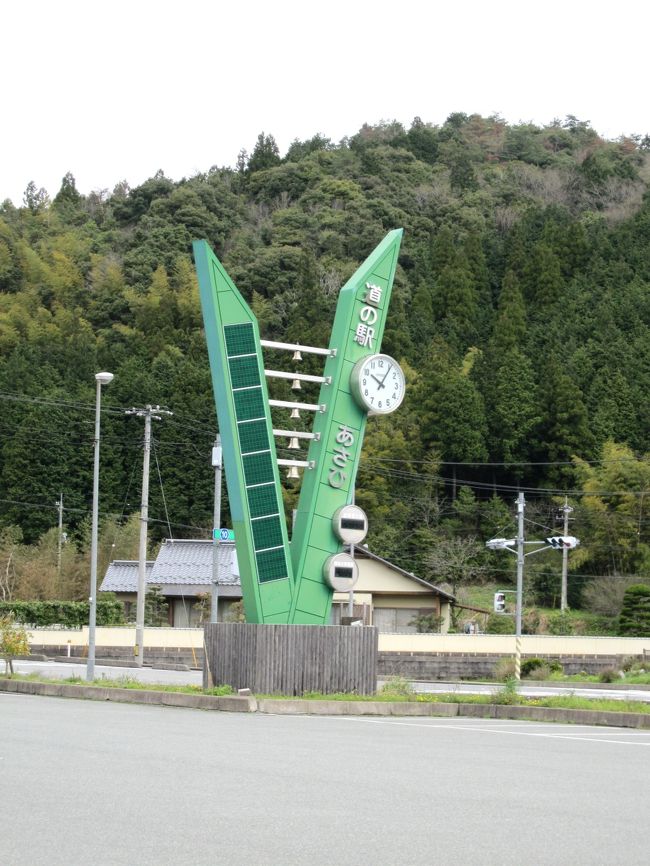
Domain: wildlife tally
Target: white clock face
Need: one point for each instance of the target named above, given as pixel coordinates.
(378, 384)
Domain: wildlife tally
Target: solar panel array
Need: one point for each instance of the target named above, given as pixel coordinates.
(264, 506)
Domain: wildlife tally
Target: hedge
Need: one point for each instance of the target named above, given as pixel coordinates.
(71, 614)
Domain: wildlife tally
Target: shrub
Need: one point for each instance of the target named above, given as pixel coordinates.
(556, 667)
(533, 621)
(398, 686)
(542, 673)
(155, 607)
(498, 623)
(70, 614)
(427, 623)
(609, 675)
(530, 666)
(560, 624)
(635, 613)
(508, 694)
(504, 669)
(630, 663)
(13, 642)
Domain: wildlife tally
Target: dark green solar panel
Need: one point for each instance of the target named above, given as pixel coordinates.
(253, 436)
(240, 339)
(267, 532)
(244, 371)
(271, 565)
(262, 500)
(249, 404)
(258, 468)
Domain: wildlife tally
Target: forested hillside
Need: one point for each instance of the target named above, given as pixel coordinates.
(521, 314)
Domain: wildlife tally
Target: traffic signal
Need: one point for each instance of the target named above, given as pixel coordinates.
(563, 542)
(499, 602)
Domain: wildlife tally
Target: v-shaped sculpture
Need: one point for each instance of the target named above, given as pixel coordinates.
(288, 581)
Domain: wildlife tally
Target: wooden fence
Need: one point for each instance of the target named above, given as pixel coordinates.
(291, 659)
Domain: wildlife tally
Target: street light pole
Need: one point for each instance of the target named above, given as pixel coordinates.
(101, 379)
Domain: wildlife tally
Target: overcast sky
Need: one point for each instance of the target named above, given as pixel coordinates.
(116, 90)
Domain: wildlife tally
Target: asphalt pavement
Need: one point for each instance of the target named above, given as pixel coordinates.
(114, 784)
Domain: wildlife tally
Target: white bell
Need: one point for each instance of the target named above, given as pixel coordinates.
(293, 443)
(292, 472)
(295, 413)
(297, 356)
(296, 386)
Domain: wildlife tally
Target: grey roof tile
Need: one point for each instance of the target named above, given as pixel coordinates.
(122, 576)
(189, 561)
(186, 562)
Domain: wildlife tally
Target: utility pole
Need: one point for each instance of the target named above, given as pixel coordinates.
(566, 510)
(147, 413)
(59, 505)
(516, 545)
(521, 505)
(216, 526)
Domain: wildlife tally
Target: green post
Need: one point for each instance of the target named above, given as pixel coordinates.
(357, 332)
(249, 452)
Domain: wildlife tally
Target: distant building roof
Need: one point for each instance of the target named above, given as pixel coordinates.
(182, 562)
(122, 576)
(189, 561)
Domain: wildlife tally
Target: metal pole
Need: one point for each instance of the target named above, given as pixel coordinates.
(58, 552)
(351, 593)
(216, 524)
(521, 504)
(100, 379)
(92, 620)
(142, 553)
(566, 510)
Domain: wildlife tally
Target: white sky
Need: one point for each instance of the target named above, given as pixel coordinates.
(116, 90)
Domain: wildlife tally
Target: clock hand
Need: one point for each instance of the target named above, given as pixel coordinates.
(380, 382)
(385, 375)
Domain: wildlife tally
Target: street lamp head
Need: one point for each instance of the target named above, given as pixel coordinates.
(500, 543)
(104, 378)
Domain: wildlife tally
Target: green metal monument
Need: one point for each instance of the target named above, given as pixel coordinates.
(284, 581)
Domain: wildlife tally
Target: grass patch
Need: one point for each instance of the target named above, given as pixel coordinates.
(392, 691)
(127, 682)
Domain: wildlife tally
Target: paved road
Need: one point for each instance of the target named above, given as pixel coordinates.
(113, 784)
(63, 670)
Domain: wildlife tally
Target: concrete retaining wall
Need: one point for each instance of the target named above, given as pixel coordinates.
(455, 666)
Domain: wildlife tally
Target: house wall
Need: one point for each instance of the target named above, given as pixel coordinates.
(497, 644)
(376, 577)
